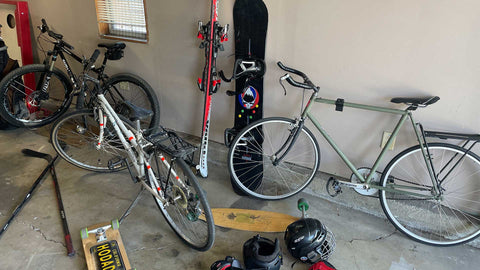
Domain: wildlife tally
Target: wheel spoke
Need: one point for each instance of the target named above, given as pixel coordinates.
(454, 216)
(258, 176)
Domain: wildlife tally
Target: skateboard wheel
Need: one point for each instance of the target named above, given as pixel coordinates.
(84, 233)
(115, 224)
(302, 204)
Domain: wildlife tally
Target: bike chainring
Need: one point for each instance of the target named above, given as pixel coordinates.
(374, 180)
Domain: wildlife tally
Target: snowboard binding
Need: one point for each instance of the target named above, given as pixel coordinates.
(249, 67)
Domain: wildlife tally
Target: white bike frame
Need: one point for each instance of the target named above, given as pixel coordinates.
(130, 142)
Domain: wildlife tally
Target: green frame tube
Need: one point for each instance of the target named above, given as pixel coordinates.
(403, 113)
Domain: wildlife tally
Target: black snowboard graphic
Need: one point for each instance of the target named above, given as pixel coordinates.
(250, 19)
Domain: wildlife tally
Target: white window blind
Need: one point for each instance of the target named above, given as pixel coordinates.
(122, 18)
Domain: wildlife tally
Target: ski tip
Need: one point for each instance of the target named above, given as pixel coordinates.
(203, 172)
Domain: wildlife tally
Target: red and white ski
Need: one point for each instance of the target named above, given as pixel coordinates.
(212, 36)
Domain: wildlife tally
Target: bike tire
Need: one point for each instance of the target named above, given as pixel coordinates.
(251, 154)
(190, 227)
(132, 88)
(453, 217)
(22, 110)
(74, 138)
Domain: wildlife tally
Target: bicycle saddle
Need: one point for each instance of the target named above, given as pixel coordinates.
(109, 46)
(416, 102)
(133, 112)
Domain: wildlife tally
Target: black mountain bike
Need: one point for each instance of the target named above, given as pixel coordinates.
(36, 95)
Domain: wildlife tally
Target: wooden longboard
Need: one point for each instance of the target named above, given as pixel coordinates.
(251, 220)
(109, 253)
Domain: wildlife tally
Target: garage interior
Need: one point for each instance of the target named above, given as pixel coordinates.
(363, 51)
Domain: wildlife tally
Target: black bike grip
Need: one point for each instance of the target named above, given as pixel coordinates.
(294, 71)
(94, 57)
(44, 27)
(298, 84)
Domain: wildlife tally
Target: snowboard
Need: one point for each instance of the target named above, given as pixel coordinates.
(212, 36)
(250, 19)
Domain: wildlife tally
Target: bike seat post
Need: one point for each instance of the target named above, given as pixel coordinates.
(137, 127)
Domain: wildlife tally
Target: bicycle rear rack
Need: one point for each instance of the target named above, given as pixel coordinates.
(169, 142)
(450, 135)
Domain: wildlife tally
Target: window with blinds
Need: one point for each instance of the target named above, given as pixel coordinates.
(122, 19)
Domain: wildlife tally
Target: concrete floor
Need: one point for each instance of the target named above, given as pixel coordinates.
(35, 239)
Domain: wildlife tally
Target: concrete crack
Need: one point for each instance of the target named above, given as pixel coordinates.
(385, 236)
(373, 240)
(36, 229)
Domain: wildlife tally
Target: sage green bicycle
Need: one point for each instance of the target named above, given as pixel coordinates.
(429, 191)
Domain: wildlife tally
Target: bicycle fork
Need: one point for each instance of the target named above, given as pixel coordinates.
(292, 138)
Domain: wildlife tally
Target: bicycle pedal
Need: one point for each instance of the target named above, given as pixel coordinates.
(115, 163)
(335, 186)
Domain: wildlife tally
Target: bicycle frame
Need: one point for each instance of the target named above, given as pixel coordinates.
(404, 114)
(58, 51)
(130, 142)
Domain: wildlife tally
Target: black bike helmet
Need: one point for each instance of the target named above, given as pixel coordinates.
(262, 253)
(309, 240)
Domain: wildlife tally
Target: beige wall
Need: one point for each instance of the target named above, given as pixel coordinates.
(364, 51)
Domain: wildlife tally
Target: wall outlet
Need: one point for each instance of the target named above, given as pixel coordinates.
(385, 137)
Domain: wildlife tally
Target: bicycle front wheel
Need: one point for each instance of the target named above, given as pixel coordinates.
(75, 137)
(32, 96)
(186, 208)
(253, 164)
(448, 217)
(129, 87)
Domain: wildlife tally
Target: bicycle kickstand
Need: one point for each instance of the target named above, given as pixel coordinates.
(135, 201)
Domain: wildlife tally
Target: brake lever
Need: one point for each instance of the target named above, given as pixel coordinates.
(284, 77)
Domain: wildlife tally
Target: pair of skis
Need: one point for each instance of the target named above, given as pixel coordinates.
(212, 36)
(250, 21)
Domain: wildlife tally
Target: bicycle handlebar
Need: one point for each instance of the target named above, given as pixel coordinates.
(307, 84)
(59, 37)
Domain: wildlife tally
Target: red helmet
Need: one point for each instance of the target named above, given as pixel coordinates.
(323, 265)
(230, 263)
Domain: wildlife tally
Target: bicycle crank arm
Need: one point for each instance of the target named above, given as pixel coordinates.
(352, 185)
(334, 186)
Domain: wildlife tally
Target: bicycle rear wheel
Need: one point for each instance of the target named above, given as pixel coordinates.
(186, 209)
(75, 138)
(132, 88)
(254, 150)
(451, 218)
(24, 102)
